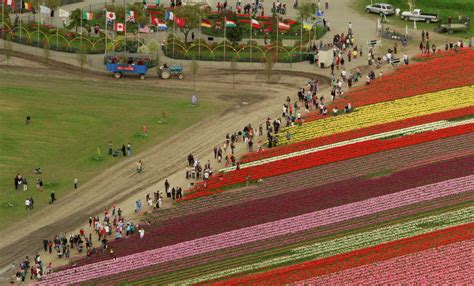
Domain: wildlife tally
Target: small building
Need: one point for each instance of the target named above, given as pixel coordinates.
(325, 57)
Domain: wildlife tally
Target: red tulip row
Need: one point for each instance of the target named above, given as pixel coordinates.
(356, 258)
(323, 157)
(357, 133)
(445, 72)
(445, 265)
(295, 203)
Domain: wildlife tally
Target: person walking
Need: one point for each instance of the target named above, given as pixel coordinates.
(110, 148)
(129, 149)
(124, 150)
(75, 183)
(53, 197)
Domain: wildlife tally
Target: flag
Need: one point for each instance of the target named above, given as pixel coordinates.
(119, 27)
(169, 15)
(162, 26)
(154, 20)
(144, 29)
(9, 2)
(255, 24)
(307, 26)
(44, 10)
(180, 22)
(27, 6)
(230, 24)
(87, 16)
(131, 16)
(206, 23)
(283, 26)
(63, 13)
(319, 13)
(110, 16)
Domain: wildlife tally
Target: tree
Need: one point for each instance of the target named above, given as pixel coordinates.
(233, 70)
(46, 53)
(191, 15)
(8, 48)
(75, 19)
(194, 69)
(234, 35)
(53, 4)
(81, 57)
(268, 67)
(306, 10)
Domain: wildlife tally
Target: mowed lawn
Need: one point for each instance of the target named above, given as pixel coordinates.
(444, 9)
(70, 119)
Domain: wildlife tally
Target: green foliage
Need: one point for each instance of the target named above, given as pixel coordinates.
(192, 15)
(234, 35)
(75, 20)
(306, 10)
(6, 16)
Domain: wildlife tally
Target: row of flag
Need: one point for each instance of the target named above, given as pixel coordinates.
(253, 22)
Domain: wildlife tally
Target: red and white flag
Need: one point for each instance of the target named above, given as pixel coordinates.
(119, 27)
(9, 2)
(110, 16)
(255, 24)
(283, 26)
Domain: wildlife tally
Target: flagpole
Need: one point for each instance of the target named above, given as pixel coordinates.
(125, 24)
(57, 38)
(278, 32)
(225, 24)
(3, 17)
(106, 28)
(199, 42)
(39, 15)
(250, 38)
(82, 16)
(301, 37)
(174, 35)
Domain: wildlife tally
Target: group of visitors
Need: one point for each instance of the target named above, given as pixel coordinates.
(125, 150)
(36, 268)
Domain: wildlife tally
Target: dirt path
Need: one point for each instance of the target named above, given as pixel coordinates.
(120, 183)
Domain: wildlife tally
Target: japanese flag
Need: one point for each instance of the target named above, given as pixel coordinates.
(119, 27)
(110, 16)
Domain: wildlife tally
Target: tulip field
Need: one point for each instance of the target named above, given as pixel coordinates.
(382, 195)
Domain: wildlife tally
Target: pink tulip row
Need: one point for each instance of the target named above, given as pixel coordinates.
(260, 232)
(450, 264)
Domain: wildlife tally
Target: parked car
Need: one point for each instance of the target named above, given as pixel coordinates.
(417, 15)
(380, 8)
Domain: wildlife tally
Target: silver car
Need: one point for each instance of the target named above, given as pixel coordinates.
(380, 8)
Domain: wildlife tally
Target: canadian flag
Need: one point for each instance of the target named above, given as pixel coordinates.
(119, 27)
(110, 16)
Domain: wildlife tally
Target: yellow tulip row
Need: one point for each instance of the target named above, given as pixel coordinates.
(384, 112)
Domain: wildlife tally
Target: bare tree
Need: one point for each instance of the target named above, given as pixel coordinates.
(8, 49)
(233, 70)
(194, 70)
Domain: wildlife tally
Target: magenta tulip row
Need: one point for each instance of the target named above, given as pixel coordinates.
(260, 232)
(449, 264)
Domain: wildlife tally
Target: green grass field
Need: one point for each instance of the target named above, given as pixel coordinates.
(70, 119)
(443, 8)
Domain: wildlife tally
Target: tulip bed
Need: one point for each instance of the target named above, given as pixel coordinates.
(383, 112)
(358, 257)
(447, 70)
(325, 157)
(438, 125)
(264, 231)
(295, 203)
(356, 133)
(449, 264)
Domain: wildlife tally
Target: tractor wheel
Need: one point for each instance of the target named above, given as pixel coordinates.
(142, 76)
(165, 74)
(117, 75)
(180, 76)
